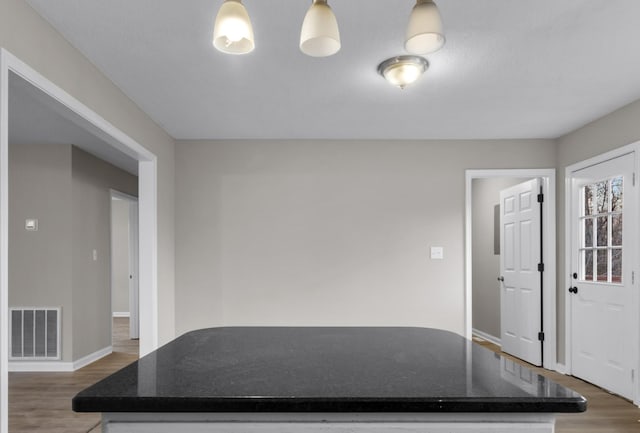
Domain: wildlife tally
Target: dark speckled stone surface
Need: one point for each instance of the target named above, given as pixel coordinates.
(281, 369)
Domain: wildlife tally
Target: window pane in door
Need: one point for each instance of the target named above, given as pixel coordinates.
(587, 269)
(602, 265)
(602, 231)
(616, 194)
(616, 230)
(616, 266)
(588, 232)
(588, 200)
(602, 196)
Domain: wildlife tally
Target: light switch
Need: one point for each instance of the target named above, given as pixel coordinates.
(95, 255)
(437, 253)
(31, 224)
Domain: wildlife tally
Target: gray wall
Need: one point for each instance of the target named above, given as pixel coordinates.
(67, 190)
(91, 181)
(32, 39)
(610, 132)
(328, 232)
(119, 256)
(40, 262)
(485, 264)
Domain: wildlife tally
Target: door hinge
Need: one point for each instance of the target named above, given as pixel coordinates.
(633, 179)
(633, 277)
(540, 267)
(540, 198)
(633, 375)
(541, 336)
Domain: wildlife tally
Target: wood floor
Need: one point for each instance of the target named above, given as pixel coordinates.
(41, 402)
(605, 412)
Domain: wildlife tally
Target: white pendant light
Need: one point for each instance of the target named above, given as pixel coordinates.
(320, 36)
(424, 32)
(232, 32)
(403, 70)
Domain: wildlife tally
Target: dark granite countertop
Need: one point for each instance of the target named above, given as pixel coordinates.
(325, 369)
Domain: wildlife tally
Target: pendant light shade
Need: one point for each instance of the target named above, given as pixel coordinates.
(401, 71)
(424, 32)
(232, 32)
(320, 36)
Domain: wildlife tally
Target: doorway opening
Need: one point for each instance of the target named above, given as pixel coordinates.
(124, 272)
(483, 226)
(115, 147)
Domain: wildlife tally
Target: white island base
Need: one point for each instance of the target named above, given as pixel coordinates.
(328, 423)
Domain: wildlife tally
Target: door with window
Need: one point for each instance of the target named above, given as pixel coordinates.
(603, 221)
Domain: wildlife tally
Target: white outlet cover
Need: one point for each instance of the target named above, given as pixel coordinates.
(437, 253)
(31, 224)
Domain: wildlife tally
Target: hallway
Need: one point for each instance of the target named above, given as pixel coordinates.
(41, 402)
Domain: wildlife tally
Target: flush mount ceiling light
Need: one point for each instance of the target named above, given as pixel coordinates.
(232, 31)
(403, 70)
(424, 32)
(320, 36)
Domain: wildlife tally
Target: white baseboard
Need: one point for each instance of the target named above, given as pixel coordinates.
(121, 314)
(40, 366)
(58, 366)
(92, 357)
(490, 338)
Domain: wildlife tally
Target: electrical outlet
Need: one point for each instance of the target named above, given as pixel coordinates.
(437, 253)
(31, 224)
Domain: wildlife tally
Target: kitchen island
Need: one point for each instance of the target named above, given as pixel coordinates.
(326, 380)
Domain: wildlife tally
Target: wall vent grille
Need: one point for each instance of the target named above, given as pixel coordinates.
(35, 333)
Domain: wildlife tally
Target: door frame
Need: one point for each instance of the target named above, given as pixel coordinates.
(621, 151)
(147, 191)
(548, 176)
(134, 316)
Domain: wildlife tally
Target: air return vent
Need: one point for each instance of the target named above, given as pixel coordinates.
(35, 333)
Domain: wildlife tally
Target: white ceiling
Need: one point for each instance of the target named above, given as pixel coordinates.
(509, 69)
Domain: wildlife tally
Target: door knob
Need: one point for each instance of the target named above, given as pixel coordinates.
(573, 290)
(501, 278)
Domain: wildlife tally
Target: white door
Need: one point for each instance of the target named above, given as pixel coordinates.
(521, 281)
(603, 224)
(134, 295)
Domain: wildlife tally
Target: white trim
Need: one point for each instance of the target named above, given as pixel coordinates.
(87, 118)
(568, 171)
(92, 357)
(121, 314)
(40, 366)
(147, 186)
(148, 257)
(490, 338)
(548, 176)
(58, 366)
(122, 196)
(4, 245)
